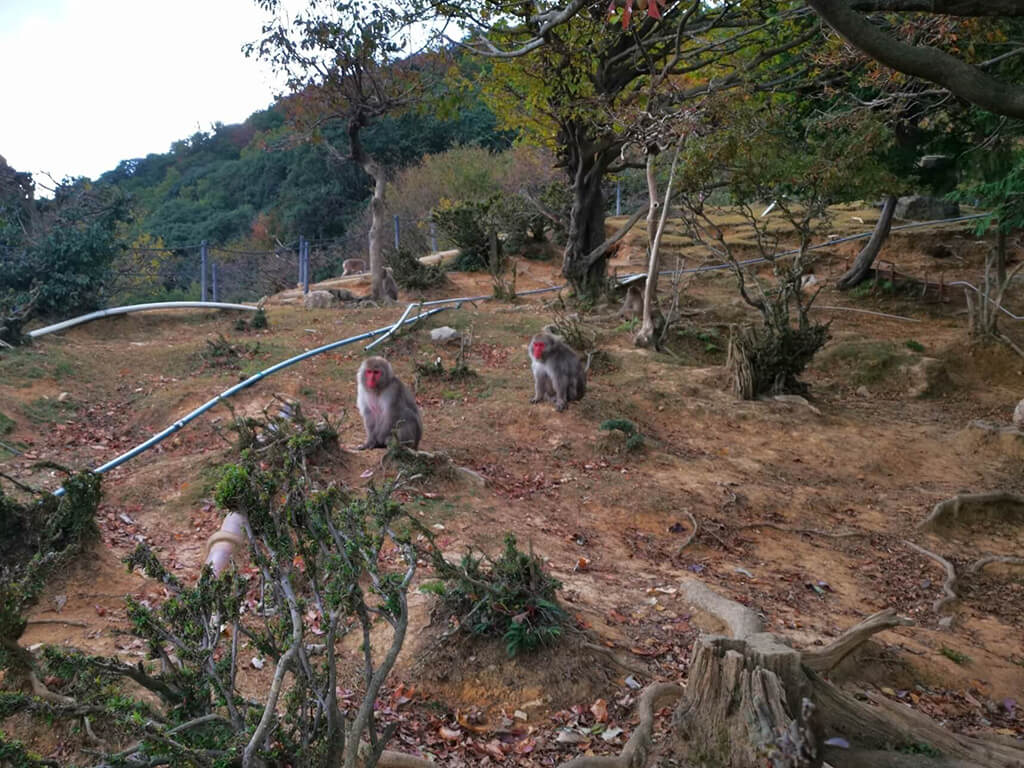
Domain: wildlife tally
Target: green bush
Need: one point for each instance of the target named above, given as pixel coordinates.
(468, 224)
(510, 597)
(412, 274)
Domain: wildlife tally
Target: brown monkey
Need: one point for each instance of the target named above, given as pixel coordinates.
(386, 404)
(352, 267)
(633, 304)
(558, 373)
(390, 287)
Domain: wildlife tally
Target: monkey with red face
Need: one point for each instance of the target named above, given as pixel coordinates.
(387, 406)
(558, 372)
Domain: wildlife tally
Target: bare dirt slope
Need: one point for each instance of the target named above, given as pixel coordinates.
(869, 458)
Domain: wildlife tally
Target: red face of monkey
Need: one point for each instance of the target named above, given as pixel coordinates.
(537, 349)
(372, 378)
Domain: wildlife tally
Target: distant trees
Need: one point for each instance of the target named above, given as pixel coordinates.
(56, 254)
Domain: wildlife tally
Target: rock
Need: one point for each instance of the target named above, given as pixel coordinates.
(862, 391)
(63, 397)
(925, 208)
(927, 377)
(444, 334)
(319, 300)
(1018, 415)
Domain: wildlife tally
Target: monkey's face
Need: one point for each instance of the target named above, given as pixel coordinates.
(537, 349)
(372, 377)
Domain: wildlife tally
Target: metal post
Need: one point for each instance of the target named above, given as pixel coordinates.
(305, 271)
(213, 275)
(301, 240)
(397, 232)
(618, 198)
(433, 237)
(202, 271)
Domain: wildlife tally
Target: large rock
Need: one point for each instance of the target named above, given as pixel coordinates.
(443, 335)
(319, 300)
(925, 208)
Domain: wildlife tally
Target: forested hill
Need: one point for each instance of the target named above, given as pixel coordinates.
(254, 180)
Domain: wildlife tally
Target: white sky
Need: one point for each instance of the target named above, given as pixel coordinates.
(88, 83)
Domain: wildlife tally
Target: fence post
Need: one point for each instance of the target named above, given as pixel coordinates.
(618, 198)
(202, 270)
(301, 265)
(433, 237)
(305, 261)
(213, 276)
(397, 232)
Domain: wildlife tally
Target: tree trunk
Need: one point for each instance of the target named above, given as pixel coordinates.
(375, 172)
(645, 337)
(746, 704)
(586, 273)
(862, 264)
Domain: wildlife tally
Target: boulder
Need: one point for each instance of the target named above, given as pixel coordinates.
(925, 208)
(319, 300)
(444, 335)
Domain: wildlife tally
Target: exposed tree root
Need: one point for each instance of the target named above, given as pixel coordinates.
(741, 621)
(957, 509)
(981, 562)
(636, 669)
(694, 529)
(949, 585)
(391, 759)
(808, 531)
(634, 754)
(824, 659)
(44, 693)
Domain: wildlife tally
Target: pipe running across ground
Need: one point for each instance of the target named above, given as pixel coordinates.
(138, 308)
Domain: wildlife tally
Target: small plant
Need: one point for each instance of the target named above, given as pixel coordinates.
(634, 439)
(955, 656)
(470, 226)
(920, 748)
(258, 321)
(222, 353)
(509, 597)
(411, 274)
(914, 346)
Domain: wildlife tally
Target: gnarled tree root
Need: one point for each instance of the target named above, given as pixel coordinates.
(824, 659)
(968, 505)
(949, 585)
(981, 562)
(740, 620)
(634, 754)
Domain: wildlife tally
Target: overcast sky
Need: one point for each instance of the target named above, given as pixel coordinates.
(88, 83)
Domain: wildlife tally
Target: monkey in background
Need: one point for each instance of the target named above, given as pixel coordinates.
(558, 372)
(386, 405)
(633, 304)
(352, 267)
(390, 287)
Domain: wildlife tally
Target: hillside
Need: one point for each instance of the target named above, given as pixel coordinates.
(769, 484)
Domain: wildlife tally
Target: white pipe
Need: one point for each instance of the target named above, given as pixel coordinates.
(221, 545)
(138, 308)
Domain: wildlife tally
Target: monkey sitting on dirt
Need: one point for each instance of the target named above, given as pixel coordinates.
(386, 405)
(558, 372)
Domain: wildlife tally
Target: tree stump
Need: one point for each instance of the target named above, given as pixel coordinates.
(747, 703)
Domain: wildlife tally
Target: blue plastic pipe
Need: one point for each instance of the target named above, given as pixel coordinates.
(160, 436)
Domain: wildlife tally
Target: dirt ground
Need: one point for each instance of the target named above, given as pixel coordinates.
(874, 450)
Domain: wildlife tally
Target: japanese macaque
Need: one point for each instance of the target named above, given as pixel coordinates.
(390, 287)
(558, 373)
(352, 267)
(387, 406)
(633, 304)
